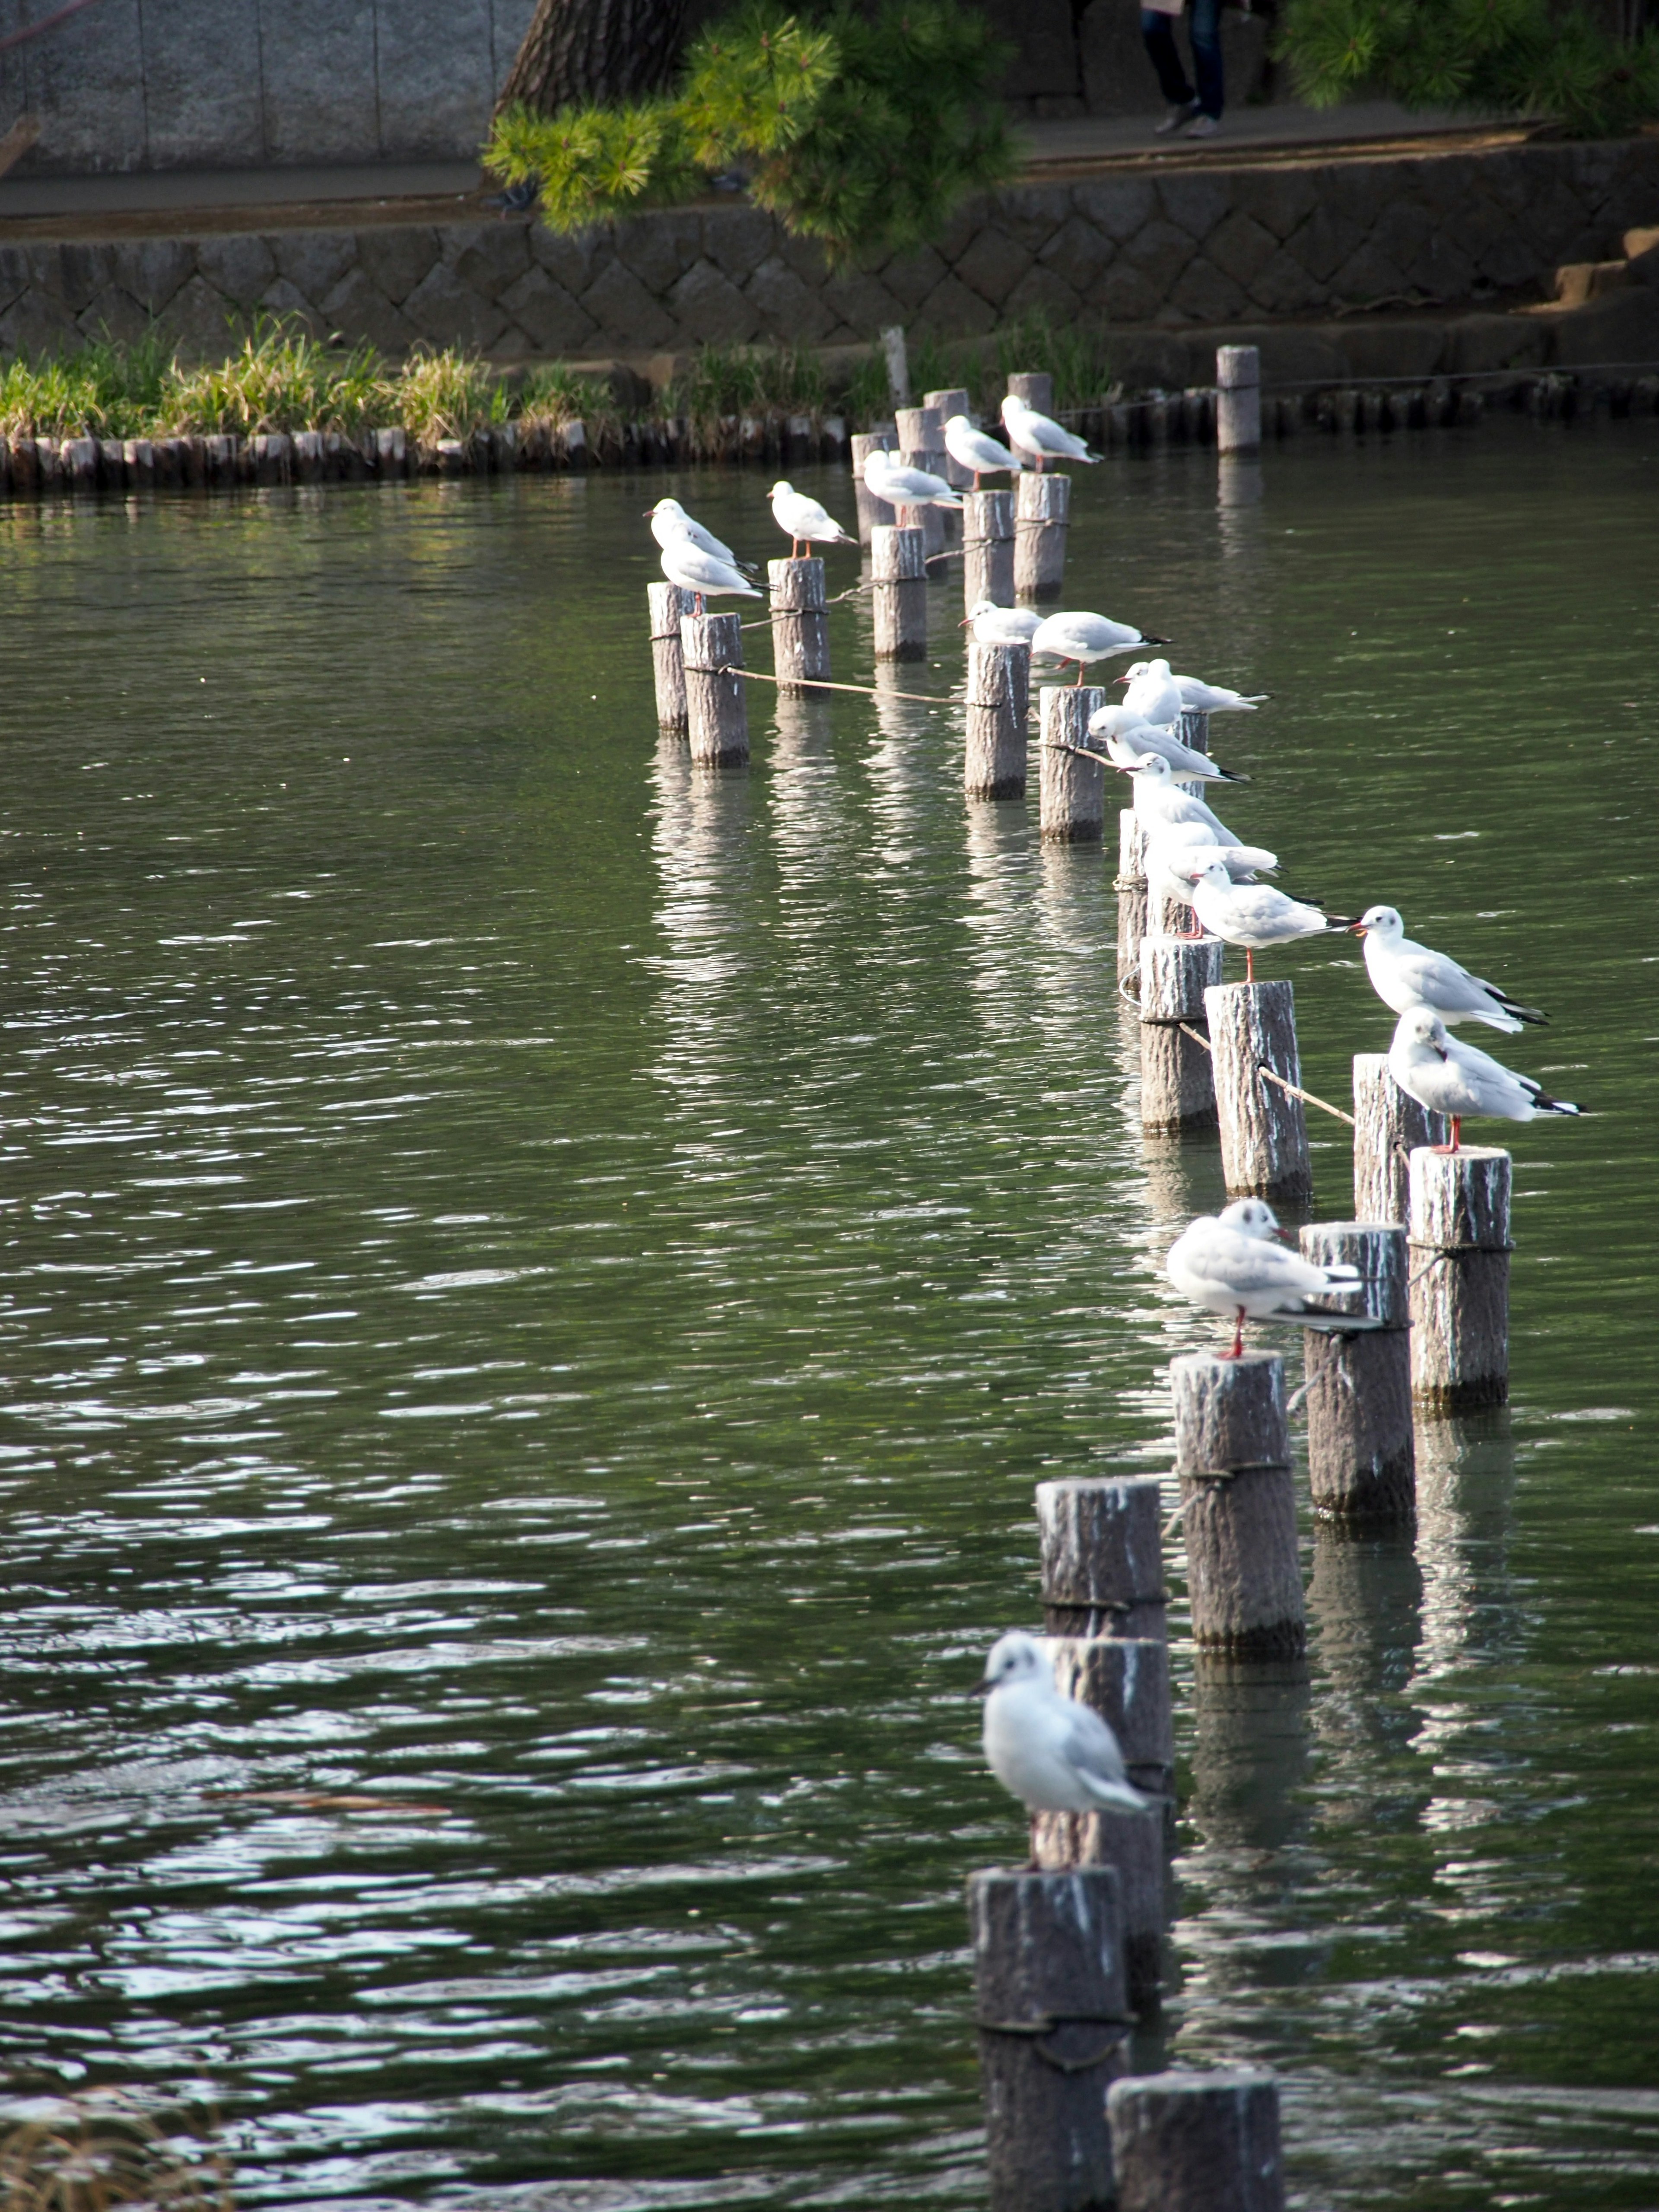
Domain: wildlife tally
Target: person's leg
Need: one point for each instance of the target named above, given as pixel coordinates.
(1206, 32)
(1161, 48)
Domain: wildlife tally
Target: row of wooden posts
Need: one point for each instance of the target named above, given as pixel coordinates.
(1068, 1956)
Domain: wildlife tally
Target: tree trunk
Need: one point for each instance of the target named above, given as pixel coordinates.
(577, 50)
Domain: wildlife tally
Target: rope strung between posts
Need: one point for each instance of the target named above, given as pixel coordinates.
(1216, 1477)
(1439, 1252)
(1036, 2031)
(1262, 1069)
(819, 684)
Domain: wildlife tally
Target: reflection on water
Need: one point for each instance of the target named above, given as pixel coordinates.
(539, 1283)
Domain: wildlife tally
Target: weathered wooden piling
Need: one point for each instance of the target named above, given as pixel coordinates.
(1130, 884)
(801, 622)
(139, 454)
(1264, 1130)
(112, 464)
(1043, 513)
(953, 400)
(987, 545)
(1100, 1547)
(899, 601)
(871, 511)
(993, 760)
(717, 709)
(1036, 386)
(1197, 2142)
(1388, 1127)
(1459, 1219)
(669, 605)
(1072, 789)
(1361, 1464)
(922, 446)
(1052, 2011)
(1178, 1083)
(1239, 399)
(1238, 1504)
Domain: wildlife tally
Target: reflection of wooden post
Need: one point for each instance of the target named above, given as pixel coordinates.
(1233, 1455)
(1131, 888)
(1264, 1131)
(1177, 1088)
(1459, 1245)
(900, 593)
(987, 545)
(668, 603)
(1388, 1127)
(1361, 1464)
(1102, 1549)
(800, 625)
(1051, 2012)
(1042, 515)
(1073, 805)
(993, 763)
(717, 713)
(1197, 2142)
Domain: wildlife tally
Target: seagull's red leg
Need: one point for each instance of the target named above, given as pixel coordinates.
(1457, 1131)
(1236, 1351)
(1249, 963)
(1080, 675)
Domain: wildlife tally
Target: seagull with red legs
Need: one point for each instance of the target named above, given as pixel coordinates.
(1233, 1264)
(1450, 1077)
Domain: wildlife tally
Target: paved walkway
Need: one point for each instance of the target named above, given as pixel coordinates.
(1244, 130)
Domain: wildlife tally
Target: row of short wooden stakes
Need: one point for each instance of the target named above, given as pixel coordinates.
(1066, 1959)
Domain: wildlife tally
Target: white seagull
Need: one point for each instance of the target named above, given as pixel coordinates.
(977, 450)
(889, 479)
(1041, 436)
(1231, 1263)
(1153, 693)
(1174, 862)
(695, 571)
(669, 521)
(1127, 738)
(1450, 1077)
(1198, 697)
(1255, 915)
(1085, 637)
(1404, 974)
(803, 521)
(994, 625)
(1159, 799)
(1053, 1753)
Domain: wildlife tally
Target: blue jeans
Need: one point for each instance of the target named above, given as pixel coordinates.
(1204, 26)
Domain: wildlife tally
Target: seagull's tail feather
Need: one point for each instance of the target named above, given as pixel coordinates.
(1228, 774)
(1121, 1796)
(1513, 1007)
(1147, 638)
(749, 567)
(1335, 1324)
(1546, 1105)
(1341, 921)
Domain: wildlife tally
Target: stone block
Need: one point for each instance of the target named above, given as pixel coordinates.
(84, 82)
(862, 301)
(1441, 268)
(1241, 247)
(992, 264)
(911, 277)
(73, 273)
(1368, 278)
(447, 312)
(1079, 253)
(1403, 232)
(1283, 287)
(488, 257)
(201, 321)
(1383, 349)
(316, 71)
(951, 311)
(1197, 200)
(116, 315)
(1279, 199)
(1324, 243)
(315, 260)
(805, 256)
(1202, 294)
(239, 264)
(629, 316)
(35, 323)
(1126, 294)
(436, 74)
(1622, 327)
(361, 313)
(572, 258)
(1031, 214)
(1143, 359)
(1042, 292)
(736, 240)
(551, 320)
(708, 305)
(16, 273)
(1293, 353)
(289, 304)
(1119, 207)
(395, 257)
(658, 248)
(960, 230)
(1478, 343)
(787, 310)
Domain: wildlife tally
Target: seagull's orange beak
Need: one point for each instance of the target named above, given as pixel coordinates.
(1357, 929)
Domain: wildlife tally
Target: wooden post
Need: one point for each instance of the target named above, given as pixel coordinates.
(1036, 387)
(139, 454)
(900, 594)
(1192, 728)
(669, 604)
(944, 405)
(1051, 2012)
(1460, 1252)
(800, 624)
(1362, 1466)
(1388, 1127)
(922, 446)
(988, 545)
(872, 510)
(1102, 1550)
(1238, 1500)
(993, 763)
(1043, 511)
(1239, 399)
(80, 463)
(112, 463)
(1197, 2142)
(1073, 790)
(717, 712)
(1264, 1131)
(1130, 884)
(1177, 1085)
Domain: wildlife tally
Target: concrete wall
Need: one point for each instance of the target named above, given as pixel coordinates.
(1198, 247)
(217, 84)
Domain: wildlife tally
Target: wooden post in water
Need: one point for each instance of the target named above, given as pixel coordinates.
(1239, 399)
(1197, 2142)
(1264, 1131)
(1388, 1127)
(1102, 1550)
(1051, 2012)
(1238, 1501)
(872, 510)
(988, 545)
(1361, 1464)
(800, 622)
(993, 762)
(1177, 1086)
(1460, 1250)
(944, 405)
(1073, 790)
(1130, 884)
(669, 604)
(900, 599)
(922, 446)
(717, 711)
(1036, 387)
(1042, 513)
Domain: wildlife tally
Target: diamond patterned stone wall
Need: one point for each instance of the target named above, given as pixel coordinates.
(1179, 250)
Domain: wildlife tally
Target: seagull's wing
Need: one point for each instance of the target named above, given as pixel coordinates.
(1091, 1749)
(1438, 982)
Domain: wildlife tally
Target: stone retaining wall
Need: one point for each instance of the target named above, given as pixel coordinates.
(1173, 248)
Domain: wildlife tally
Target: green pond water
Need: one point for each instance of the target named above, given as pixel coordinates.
(539, 1284)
